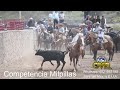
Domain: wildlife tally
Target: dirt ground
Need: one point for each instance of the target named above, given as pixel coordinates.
(27, 68)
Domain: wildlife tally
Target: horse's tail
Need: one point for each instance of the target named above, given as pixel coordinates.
(65, 52)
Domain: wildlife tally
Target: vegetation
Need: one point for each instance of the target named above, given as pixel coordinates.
(111, 16)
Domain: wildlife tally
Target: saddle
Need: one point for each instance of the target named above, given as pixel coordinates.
(105, 39)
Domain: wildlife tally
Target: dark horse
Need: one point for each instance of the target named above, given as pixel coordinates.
(91, 38)
(116, 38)
(74, 52)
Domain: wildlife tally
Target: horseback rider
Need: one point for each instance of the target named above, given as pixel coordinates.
(100, 37)
(100, 34)
(97, 27)
(85, 29)
(61, 28)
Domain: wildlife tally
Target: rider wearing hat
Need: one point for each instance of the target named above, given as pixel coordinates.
(109, 29)
(61, 28)
(50, 27)
(97, 27)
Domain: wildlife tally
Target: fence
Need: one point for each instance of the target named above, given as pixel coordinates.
(12, 24)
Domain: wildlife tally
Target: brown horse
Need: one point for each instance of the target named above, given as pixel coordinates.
(74, 52)
(91, 38)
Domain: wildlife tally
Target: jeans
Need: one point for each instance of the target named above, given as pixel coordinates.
(62, 20)
(55, 22)
(100, 41)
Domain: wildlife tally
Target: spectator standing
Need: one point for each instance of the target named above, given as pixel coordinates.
(50, 17)
(98, 19)
(103, 22)
(61, 17)
(55, 19)
(89, 24)
(31, 23)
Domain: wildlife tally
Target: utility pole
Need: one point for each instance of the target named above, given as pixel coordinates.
(19, 14)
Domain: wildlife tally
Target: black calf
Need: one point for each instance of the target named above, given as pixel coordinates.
(50, 55)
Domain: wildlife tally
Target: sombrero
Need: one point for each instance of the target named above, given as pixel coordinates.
(60, 24)
(107, 26)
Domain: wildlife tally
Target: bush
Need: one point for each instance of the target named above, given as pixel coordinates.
(116, 27)
(115, 19)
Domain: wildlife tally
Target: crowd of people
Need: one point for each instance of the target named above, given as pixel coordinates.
(56, 22)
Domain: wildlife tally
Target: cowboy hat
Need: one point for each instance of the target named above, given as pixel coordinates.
(97, 23)
(83, 24)
(31, 18)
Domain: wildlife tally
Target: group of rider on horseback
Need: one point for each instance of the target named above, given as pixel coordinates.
(98, 26)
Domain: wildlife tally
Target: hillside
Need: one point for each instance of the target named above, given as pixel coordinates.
(71, 17)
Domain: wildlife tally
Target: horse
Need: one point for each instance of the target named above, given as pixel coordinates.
(108, 44)
(47, 40)
(74, 51)
(40, 39)
(116, 38)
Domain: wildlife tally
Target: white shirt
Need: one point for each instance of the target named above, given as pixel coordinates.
(50, 16)
(42, 26)
(97, 29)
(55, 16)
(105, 21)
(100, 34)
(61, 30)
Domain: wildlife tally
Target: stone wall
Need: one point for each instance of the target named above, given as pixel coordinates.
(15, 44)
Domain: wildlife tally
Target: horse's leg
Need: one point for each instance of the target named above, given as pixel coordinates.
(90, 50)
(75, 69)
(41, 65)
(70, 60)
(58, 64)
(63, 65)
(83, 53)
(105, 52)
(116, 47)
(112, 56)
(77, 60)
(109, 55)
(95, 54)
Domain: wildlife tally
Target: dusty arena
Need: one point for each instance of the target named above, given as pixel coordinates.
(31, 63)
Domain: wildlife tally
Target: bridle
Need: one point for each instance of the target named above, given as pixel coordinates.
(90, 39)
